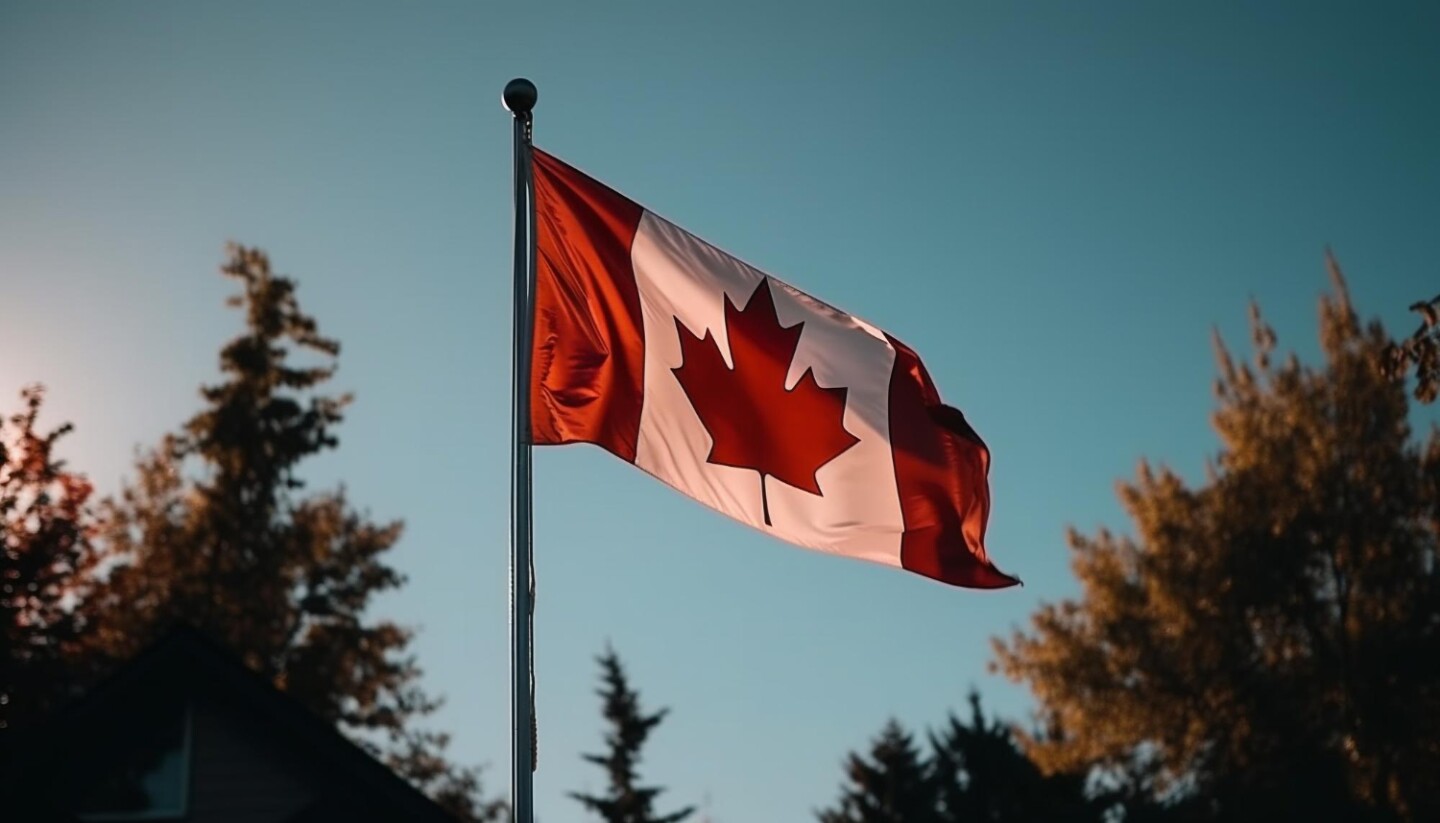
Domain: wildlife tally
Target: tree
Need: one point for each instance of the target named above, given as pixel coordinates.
(981, 774)
(1420, 351)
(975, 772)
(1267, 643)
(44, 543)
(625, 801)
(215, 532)
(892, 785)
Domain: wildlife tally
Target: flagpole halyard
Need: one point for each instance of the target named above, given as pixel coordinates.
(519, 98)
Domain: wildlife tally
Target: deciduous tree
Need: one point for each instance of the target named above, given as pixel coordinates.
(1419, 352)
(44, 544)
(1266, 643)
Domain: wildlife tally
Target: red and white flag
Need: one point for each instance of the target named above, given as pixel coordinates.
(745, 393)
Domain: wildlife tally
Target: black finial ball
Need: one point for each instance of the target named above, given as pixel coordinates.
(520, 96)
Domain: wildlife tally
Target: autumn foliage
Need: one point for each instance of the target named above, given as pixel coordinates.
(1265, 644)
(44, 546)
(1419, 353)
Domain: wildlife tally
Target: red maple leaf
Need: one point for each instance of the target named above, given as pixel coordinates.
(753, 420)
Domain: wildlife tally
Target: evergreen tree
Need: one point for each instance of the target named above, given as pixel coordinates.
(216, 532)
(1267, 644)
(625, 801)
(981, 774)
(892, 785)
(44, 543)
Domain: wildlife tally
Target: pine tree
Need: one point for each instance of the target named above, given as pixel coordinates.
(1267, 644)
(44, 543)
(625, 801)
(892, 785)
(981, 774)
(216, 532)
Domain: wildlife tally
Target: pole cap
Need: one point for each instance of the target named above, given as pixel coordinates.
(520, 96)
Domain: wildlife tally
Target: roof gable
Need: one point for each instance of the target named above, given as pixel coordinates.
(259, 745)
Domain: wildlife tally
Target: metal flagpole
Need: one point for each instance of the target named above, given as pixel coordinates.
(519, 97)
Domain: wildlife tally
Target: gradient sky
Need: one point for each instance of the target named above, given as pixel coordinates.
(1054, 203)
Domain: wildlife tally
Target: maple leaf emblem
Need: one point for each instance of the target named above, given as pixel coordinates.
(755, 422)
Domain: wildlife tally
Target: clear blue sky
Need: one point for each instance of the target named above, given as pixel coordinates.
(1054, 203)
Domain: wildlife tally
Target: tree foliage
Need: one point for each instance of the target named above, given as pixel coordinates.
(216, 531)
(625, 800)
(1267, 643)
(892, 784)
(981, 774)
(44, 545)
(973, 771)
(1419, 352)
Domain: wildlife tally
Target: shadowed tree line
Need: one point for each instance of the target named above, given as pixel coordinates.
(967, 770)
(1264, 644)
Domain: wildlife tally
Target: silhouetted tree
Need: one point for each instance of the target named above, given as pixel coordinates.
(981, 774)
(1267, 644)
(1420, 352)
(625, 801)
(892, 785)
(44, 543)
(214, 531)
(975, 772)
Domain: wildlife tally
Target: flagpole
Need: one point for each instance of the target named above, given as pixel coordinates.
(520, 96)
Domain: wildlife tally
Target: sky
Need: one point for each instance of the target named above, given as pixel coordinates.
(1054, 203)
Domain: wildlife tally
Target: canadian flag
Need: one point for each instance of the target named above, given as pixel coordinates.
(745, 393)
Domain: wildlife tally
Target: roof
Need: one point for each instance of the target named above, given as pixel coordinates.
(185, 665)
